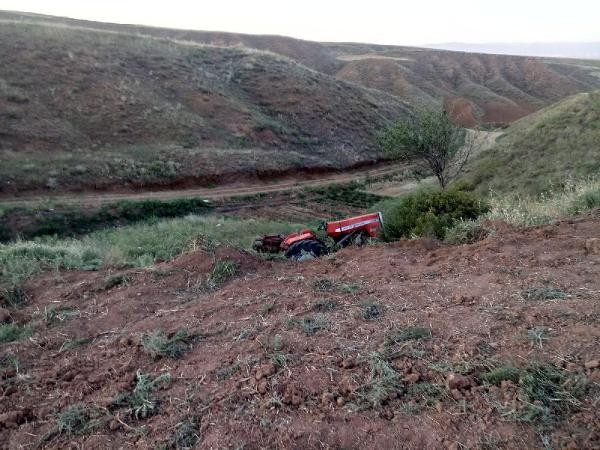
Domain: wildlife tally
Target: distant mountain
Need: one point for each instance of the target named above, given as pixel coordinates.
(581, 50)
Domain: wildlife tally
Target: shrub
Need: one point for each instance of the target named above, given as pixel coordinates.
(429, 213)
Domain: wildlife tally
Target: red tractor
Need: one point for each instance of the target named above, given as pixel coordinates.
(354, 230)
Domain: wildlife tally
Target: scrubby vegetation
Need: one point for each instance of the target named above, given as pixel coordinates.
(525, 210)
(573, 198)
(429, 213)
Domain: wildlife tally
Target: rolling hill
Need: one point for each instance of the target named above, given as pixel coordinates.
(479, 88)
(543, 150)
(103, 109)
(87, 105)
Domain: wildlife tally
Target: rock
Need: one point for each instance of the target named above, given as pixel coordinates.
(125, 341)
(592, 364)
(340, 401)
(457, 381)
(4, 315)
(412, 378)
(592, 246)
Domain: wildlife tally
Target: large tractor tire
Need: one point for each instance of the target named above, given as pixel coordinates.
(306, 249)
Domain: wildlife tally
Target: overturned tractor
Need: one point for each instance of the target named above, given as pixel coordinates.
(352, 231)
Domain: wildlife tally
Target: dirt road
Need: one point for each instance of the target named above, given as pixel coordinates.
(208, 193)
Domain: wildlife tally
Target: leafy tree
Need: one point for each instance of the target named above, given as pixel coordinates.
(432, 140)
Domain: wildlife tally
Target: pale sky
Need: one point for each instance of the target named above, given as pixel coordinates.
(414, 22)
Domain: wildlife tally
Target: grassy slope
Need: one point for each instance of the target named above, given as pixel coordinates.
(543, 150)
(100, 109)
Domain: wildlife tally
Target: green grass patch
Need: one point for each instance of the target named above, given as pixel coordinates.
(11, 332)
(383, 383)
(141, 401)
(351, 194)
(331, 285)
(157, 344)
(573, 197)
(14, 296)
(407, 334)
(466, 232)
(139, 245)
(116, 280)
(186, 434)
(311, 325)
(226, 372)
(324, 305)
(77, 420)
(372, 310)
(220, 273)
(58, 314)
(500, 374)
(539, 293)
(547, 393)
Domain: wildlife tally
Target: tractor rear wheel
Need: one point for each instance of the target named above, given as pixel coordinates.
(307, 247)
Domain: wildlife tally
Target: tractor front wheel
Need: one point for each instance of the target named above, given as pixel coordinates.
(306, 249)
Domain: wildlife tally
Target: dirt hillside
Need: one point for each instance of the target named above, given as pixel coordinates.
(85, 109)
(368, 348)
(493, 88)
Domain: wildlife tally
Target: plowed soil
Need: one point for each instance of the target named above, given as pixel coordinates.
(285, 354)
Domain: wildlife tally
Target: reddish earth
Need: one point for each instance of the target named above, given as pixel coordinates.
(470, 297)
